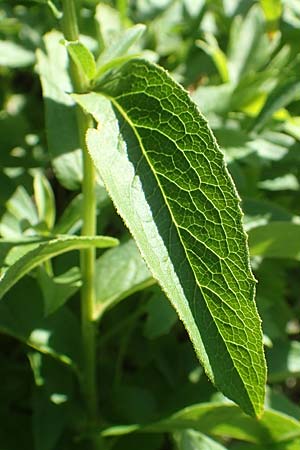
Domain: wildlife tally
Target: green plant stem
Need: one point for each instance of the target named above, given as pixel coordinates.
(70, 30)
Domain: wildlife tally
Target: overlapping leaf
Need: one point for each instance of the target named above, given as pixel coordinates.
(24, 258)
(167, 178)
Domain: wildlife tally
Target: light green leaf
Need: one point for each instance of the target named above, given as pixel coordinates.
(281, 96)
(44, 199)
(27, 257)
(61, 124)
(222, 420)
(116, 53)
(181, 207)
(13, 55)
(20, 214)
(83, 58)
(276, 240)
(120, 272)
(211, 47)
(212, 99)
(193, 440)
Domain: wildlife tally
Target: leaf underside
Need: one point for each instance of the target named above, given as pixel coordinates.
(166, 175)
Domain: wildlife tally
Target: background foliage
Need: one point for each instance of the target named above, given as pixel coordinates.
(239, 60)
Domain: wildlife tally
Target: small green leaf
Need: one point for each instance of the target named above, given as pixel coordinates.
(27, 257)
(182, 209)
(276, 240)
(120, 272)
(116, 53)
(20, 214)
(211, 47)
(83, 58)
(44, 199)
(13, 55)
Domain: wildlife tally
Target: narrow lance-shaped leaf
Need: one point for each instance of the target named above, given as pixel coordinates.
(222, 420)
(25, 258)
(167, 178)
(82, 57)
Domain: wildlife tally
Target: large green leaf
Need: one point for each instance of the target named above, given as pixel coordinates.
(24, 258)
(167, 178)
(219, 419)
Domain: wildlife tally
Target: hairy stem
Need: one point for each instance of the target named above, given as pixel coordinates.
(89, 384)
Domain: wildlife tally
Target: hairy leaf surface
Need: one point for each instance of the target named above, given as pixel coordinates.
(167, 178)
